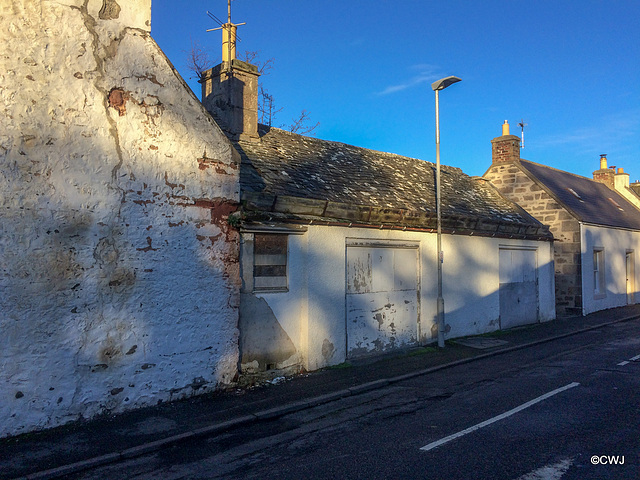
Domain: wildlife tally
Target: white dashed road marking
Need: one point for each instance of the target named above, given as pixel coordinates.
(549, 472)
(498, 418)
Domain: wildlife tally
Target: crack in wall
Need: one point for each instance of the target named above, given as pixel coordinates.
(110, 52)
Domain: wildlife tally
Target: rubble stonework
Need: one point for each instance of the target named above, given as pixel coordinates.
(119, 281)
(513, 183)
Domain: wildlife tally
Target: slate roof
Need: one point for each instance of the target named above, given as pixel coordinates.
(594, 203)
(291, 175)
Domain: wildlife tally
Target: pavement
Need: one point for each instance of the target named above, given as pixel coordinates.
(79, 446)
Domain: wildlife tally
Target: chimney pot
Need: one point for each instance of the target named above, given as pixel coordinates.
(603, 161)
(620, 170)
(505, 128)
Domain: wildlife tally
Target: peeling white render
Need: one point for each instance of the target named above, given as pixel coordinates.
(315, 312)
(118, 269)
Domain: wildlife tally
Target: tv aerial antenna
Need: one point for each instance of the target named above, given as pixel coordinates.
(229, 36)
(522, 125)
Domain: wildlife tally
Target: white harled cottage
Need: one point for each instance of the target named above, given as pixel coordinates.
(338, 245)
(595, 222)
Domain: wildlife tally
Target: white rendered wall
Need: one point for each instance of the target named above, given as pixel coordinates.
(615, 243)
(118, 269)
(313, 311)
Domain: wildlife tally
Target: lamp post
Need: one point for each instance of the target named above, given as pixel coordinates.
(437, 86)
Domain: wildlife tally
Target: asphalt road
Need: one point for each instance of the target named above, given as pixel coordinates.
(568, 409)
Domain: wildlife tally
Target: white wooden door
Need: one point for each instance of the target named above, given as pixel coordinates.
(630, 278)
(382, 309)
(518, 287)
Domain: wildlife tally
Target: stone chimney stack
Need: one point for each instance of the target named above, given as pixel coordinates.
(505, 149)
(230, 90)
(230, 94)
(605, 174)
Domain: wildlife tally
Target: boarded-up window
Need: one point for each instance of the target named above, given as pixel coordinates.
(270, 262)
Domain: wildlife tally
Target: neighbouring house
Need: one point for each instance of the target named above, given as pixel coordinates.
(338, 248)
(616, 179)
(119, 274)
(595, 223)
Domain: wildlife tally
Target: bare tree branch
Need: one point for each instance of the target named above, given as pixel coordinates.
(252, 57)
(198, 60)
(300, 125)
(266, 108)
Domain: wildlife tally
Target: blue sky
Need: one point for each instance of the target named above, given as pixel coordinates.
(363, 69)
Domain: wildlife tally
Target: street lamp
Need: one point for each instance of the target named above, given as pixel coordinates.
(437, 86)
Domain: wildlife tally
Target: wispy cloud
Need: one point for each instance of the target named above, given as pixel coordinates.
(422, 73)
(613, 131)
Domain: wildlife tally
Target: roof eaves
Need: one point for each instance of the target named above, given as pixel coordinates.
(260, 204)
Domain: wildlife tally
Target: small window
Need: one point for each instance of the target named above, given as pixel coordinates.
(598, 272)
(270, 262)
(575, 194)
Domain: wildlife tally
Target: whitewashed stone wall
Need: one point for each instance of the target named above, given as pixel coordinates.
(615, 244)
(312, 312)
(118, 268)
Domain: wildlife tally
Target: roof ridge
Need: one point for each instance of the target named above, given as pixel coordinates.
(596, 202)
(559, 170)
(348, 145)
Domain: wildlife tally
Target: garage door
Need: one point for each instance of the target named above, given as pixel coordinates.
(382, 299)
(518, 287)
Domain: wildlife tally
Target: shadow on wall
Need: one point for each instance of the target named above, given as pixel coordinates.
(119, 305)
(264, 344)
(471, 286)
(119, 281)
(614, 246)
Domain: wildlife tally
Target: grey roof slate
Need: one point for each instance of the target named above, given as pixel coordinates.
(595, 203)
(347, 178)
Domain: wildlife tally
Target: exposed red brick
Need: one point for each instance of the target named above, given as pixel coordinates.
(117, 99)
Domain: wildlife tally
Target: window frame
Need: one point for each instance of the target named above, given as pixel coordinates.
(247, 238)
(260, 261)
(599, 273)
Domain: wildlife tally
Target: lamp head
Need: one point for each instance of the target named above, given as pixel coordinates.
(444, 83)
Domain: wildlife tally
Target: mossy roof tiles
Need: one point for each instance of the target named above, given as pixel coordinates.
(284, 164)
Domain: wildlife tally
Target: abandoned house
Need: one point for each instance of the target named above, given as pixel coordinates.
(128, 275)
(119, 279)
(595, 222)
(338, 244)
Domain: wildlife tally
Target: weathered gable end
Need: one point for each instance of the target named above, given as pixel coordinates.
(119, 284)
